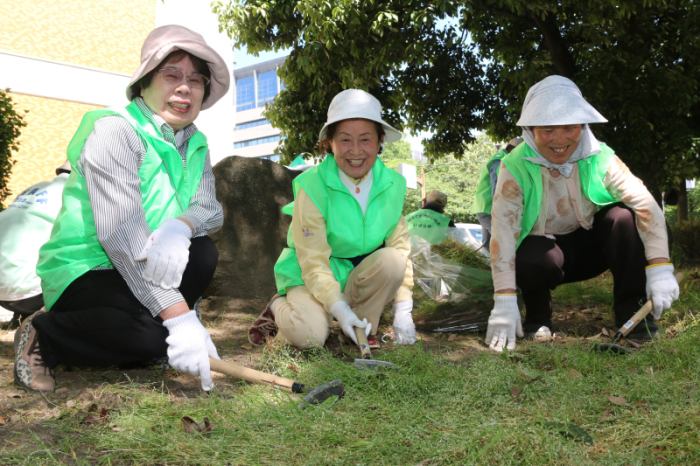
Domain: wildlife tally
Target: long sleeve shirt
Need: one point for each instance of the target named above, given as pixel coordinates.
(110, 162)
(313, 253)
(564, 209)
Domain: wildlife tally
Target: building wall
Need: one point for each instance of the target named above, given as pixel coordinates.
(43, 143)
(62, 58)
(105, 34)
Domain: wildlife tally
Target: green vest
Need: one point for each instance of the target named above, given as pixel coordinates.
(430, 225)
(591, 171)
(350, 233)
(482, 199)
(73, 248)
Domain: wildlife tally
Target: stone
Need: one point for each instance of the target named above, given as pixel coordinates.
(251, 191)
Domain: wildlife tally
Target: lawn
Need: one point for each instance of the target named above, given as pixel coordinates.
(451, 401)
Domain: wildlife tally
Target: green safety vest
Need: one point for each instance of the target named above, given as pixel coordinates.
(350, 233)
(73, 248)
(529, 175)
(430, 225)
(482, 199)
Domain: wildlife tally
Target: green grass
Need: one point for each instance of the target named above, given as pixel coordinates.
(441, 405)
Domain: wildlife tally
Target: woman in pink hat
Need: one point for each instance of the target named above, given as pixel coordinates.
(348, 249)
(129, 253)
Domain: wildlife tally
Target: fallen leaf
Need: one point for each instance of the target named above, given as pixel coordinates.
(586, 296)
(10, 353)
(618, 400)
(605, 415)
(650, 371)
(70, 403)
(574, 373)
(425, 462)
(586, 311)
(452, 337)
(190, 426)
(596, 337)
(247, 346)
(2, 421)
(14, 418)
(61, 390)
(293, 367)
(605, 332)
(515, 392)
(639, 404)
(95, 415)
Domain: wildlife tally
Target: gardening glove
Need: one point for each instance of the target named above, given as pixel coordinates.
(167, 253)
(504, 323)
(189, 347)
(348, 320)
(662, 288)
(404, 328)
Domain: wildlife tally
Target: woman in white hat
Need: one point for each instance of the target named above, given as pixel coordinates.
(566, 209)
(348, 242)
(129, 254)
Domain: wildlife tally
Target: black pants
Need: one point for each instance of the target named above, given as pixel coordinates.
(542, 264)
(97, 321)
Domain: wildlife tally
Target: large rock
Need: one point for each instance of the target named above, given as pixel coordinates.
(251, 191)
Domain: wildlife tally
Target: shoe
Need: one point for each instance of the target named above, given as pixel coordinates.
(30, 371)
(644, 331)
(542, 334)
(264, 326)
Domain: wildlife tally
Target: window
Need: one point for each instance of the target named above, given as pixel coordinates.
(255, 142)
(245, 94)
(273, 158)
(252, 124)
(267, 87)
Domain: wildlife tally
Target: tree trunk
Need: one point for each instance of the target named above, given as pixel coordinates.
(682, 202)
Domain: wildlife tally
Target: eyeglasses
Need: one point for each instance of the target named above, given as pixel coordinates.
(195, 80)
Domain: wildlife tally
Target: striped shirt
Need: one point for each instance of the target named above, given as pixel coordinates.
(110, 162)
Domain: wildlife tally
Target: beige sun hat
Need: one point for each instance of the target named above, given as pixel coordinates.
(438, 197)
(355, 103)
(165, 39)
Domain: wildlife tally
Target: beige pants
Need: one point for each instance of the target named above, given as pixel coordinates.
(303, 321)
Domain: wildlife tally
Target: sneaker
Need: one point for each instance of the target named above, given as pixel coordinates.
(30, 371)
(644, 331)
(264, 326)
(543, 333)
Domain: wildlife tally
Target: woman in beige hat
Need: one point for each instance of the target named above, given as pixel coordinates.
(129, 254)
(348, 243)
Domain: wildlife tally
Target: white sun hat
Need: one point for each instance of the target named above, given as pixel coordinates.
(556, 100)
(355, 103)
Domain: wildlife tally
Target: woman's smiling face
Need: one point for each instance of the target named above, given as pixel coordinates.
(557, 143)
(355, 145)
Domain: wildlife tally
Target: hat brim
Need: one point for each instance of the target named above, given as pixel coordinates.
(391, 134)
(220, 79)
(550, 109)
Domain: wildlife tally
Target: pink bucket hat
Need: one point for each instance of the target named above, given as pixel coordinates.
(165, 39)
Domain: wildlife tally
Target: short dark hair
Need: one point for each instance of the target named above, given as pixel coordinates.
(200, 65)
(434, 206)
(324, 147)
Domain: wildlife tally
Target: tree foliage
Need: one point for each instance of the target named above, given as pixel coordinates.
(10, 124)
(458, 178)
(448, 67)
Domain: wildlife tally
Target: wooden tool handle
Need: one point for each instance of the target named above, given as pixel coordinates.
(640, 315)
(363, 343)
(253, 376)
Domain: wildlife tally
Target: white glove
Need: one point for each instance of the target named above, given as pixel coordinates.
(504, 323)
(189, 347)
(348, 320)
(662, 288)
(167, 252)
(404, 328)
